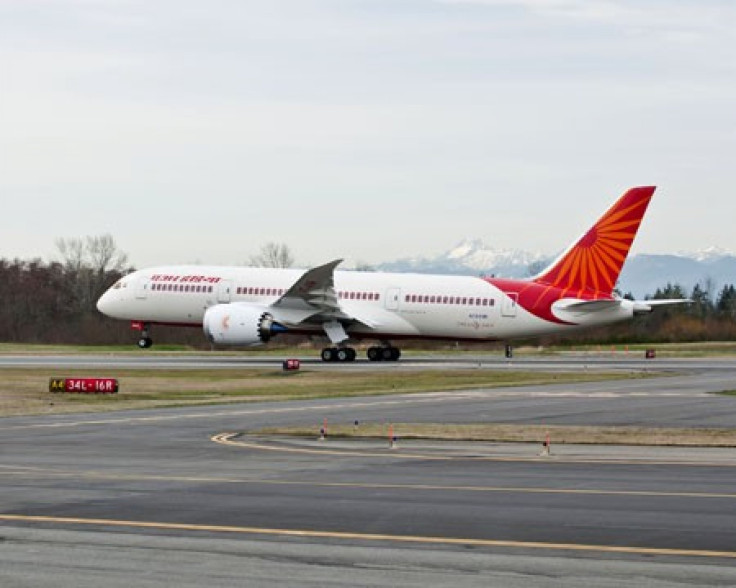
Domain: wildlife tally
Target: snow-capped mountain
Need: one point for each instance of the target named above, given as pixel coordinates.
(475, 254)
(471, 256)
(642, 274)
(708, 255)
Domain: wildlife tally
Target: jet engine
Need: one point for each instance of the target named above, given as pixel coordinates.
(239, 324)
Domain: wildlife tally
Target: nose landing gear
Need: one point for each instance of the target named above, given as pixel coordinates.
(145, 341)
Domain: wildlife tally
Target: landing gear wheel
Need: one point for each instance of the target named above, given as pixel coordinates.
(387, 353)
(329, 354)
(345, 354)
(145, 342)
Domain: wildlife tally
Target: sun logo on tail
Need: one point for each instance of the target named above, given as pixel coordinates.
(589, 269)
(593, 264)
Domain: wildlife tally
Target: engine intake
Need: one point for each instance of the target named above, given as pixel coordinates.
(239, 324)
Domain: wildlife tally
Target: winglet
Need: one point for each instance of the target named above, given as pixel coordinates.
(594, 262)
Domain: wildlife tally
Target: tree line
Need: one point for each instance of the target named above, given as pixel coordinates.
(54, 302)
(710, 317)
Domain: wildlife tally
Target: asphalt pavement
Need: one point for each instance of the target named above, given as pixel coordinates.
(149, 498)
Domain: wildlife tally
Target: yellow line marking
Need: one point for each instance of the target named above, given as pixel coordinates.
(94, 475)
(370, 536)
(228, 439)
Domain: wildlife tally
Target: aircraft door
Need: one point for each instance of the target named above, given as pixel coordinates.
(141, 288)
(392, 298)
(224, 291)
(508, 304)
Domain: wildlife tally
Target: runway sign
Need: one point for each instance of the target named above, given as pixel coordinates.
(84, 385)
(291, 365)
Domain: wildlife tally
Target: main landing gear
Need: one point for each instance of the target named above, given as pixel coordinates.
(338, 354)
(378, 353)
(385, 353)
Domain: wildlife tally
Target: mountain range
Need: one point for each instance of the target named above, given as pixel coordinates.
(642, 274)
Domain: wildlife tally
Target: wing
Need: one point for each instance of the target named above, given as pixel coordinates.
(312, 298)
(313, 293)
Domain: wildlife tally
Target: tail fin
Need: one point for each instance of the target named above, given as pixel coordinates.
(594, 262)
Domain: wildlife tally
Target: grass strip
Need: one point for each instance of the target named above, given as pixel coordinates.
(559, 434)
(25, 391)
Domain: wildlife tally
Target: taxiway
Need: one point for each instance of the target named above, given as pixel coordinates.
(148, 498)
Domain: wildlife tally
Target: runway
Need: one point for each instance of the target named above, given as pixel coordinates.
(143, 360)
(148, 498)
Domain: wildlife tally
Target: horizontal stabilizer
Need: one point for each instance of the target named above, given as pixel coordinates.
(644, 306)
(585, 306)
(574, 309)
(577, 311)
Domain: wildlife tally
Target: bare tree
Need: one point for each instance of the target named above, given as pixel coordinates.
(273, 255)
(98, 253)
(104, 255)
(72, 253)
(91, 264)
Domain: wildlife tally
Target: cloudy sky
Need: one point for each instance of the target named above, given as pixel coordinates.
(366, 129)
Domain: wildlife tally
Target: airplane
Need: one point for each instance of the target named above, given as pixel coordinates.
(247, 306)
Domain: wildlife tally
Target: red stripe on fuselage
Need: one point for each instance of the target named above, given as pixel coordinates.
(538, 299)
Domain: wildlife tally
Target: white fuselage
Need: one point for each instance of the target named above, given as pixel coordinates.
(387, 305)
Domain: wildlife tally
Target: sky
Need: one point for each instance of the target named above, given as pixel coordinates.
(196, 132)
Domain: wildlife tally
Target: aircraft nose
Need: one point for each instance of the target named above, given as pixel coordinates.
(109, 303)
(103, 304)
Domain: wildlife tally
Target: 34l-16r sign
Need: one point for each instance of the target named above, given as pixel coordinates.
(84, 385)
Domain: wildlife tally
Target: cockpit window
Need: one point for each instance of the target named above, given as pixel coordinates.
(118, 284)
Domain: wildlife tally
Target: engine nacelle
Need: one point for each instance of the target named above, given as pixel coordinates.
(239, 324)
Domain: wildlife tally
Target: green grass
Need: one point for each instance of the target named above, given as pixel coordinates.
(504, 433)
(25, 391)
(44, 349)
